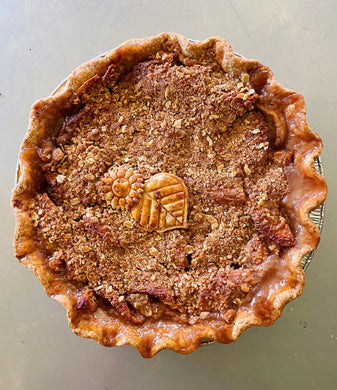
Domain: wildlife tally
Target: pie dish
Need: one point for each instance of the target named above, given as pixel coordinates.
(164, 192)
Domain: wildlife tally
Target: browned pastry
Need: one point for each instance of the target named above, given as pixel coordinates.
(164, 192)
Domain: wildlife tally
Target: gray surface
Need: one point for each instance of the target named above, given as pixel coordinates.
(40, 43)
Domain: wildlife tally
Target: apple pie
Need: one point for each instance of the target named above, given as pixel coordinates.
(163, 195)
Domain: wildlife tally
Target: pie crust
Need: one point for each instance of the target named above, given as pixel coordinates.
(135, 192)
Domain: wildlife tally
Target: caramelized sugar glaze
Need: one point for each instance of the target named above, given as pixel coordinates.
(163, 196)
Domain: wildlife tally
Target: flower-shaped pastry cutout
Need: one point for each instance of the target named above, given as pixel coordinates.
(123, 187)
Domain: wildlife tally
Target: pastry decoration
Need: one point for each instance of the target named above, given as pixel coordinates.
(159, 204)
(123, 187)
(163, 205)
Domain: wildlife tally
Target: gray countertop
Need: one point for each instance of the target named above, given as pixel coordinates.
(40, 43)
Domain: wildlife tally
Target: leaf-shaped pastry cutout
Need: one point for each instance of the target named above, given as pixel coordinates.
(163, 205)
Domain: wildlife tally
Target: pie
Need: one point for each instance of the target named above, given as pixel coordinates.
(163, 195)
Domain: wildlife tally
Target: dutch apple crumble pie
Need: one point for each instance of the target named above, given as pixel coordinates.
(164, 192)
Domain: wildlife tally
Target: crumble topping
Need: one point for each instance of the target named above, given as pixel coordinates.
(192, 121)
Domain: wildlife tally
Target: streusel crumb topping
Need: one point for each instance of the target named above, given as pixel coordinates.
(196, 126)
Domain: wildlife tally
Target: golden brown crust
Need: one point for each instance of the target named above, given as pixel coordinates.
(286, 112)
